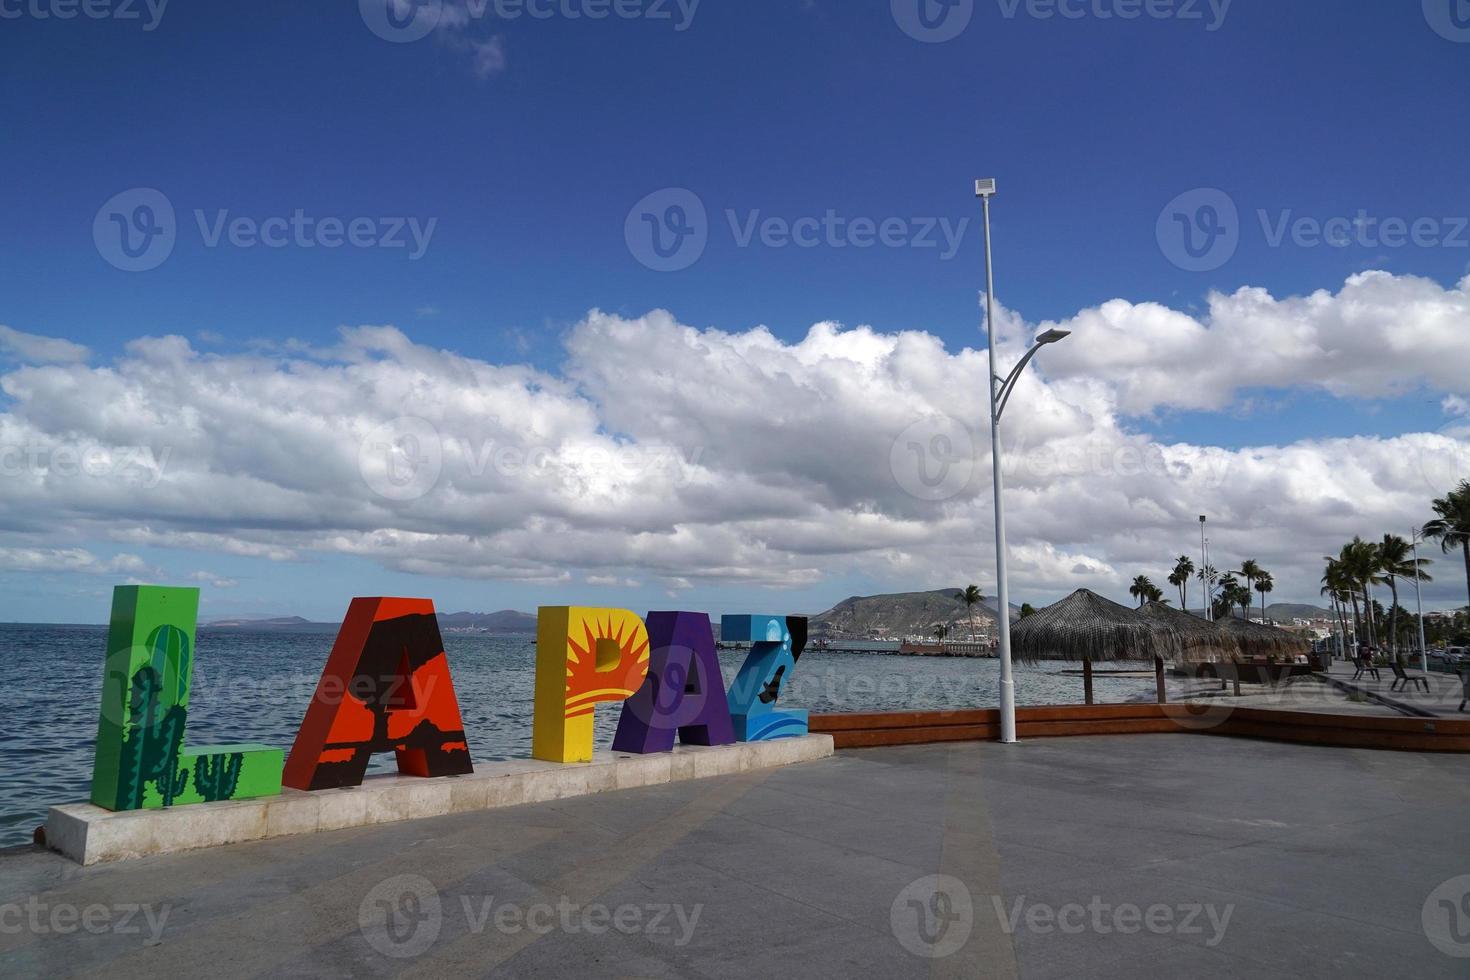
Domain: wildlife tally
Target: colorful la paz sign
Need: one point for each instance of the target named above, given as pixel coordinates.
(387, 687)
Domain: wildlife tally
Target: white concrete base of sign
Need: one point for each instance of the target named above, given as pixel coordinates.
(91, 835)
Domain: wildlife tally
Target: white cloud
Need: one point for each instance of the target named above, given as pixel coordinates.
(689, 457)
(44, 560)
(1380, 335)
(35, 349)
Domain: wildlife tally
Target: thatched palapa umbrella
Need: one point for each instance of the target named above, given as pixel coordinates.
(1085, 626)
(1260, 640)
(1200, 640)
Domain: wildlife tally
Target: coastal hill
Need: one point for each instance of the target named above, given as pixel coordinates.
(505, 621)
(902, 614)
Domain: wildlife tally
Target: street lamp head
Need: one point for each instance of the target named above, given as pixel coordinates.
(1052, 336)
(985, 187)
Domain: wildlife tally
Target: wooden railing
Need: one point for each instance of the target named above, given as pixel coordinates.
(1209, 718)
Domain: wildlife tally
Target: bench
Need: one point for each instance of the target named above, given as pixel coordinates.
(1402, 678)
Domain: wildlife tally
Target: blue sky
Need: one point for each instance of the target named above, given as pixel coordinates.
(778, 109)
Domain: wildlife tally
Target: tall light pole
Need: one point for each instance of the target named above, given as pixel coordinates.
(1000, 394)
(1204, 565)
(1415, 536)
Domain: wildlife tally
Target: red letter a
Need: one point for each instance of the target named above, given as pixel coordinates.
(386, 686)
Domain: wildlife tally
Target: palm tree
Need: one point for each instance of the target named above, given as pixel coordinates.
(1396, 561)
(1179, 578)
(1226, 600)
(1027, 610)
(1360, 562)
(1452, 526)
(1264, 584)
(941, 631)
(1334, 585)
(1249, 571)
(1142, 589)
(971, 597)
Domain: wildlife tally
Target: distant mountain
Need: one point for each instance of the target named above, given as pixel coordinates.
(505, 621)
(276, 624)
(901, 614)
(1287, 611)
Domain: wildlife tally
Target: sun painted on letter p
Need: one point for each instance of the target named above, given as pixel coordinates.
(583, 657)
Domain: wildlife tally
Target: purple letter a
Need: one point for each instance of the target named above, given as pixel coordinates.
(684, 690)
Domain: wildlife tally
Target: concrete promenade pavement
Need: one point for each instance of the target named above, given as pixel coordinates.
(1157, 855)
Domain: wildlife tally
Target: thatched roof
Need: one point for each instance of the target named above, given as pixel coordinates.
(1199, 639)
(1085, 626)
(1260, 640)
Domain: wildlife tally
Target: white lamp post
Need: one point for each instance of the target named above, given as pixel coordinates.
(1000, 394)
(1204, 567)
(1415, 536)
